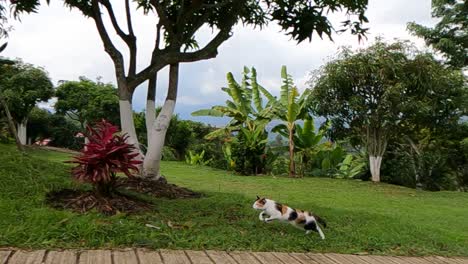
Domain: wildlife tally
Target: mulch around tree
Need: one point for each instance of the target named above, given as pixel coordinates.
(159, 189)
(83, 201)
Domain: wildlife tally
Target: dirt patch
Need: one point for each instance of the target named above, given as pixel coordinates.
(160, 188)
(84, 201)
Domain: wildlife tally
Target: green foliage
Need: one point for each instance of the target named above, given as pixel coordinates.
(196, 159)
(289, 108)
(306, 142)
(86, 101)
(61, 130)
(352, 166)
(168, 154)
(248, 120)
(249, 151)
(386, 91)
(386, 87)
(431, 160)
(327, 160)
(23, 86)
(450, 34)
(245, 107)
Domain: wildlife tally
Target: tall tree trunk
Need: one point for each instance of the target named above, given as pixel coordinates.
(11, 123)
(150, 107)
(152, 162)
(375, 162)
(22, 131)
(126, 118)
(376, 143)
(292, 167)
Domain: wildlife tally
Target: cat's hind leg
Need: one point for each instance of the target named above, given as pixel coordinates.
(319, 230)
(313, 226)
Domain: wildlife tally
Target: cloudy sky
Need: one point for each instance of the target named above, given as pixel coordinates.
(67, 45)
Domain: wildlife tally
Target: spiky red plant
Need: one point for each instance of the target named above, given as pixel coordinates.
(106, 154)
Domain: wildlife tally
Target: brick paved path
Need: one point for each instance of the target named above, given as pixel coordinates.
(143, 256)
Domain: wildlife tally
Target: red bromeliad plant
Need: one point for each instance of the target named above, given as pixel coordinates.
(106, 154)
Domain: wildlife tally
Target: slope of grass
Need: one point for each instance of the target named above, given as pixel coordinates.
(362, 217)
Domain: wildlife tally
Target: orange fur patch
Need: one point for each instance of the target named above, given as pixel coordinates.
(300, 218)
(284, 209)
(261, 202)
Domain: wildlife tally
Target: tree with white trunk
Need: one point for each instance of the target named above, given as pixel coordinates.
(375, 94)
(23, 86)
(176, 25)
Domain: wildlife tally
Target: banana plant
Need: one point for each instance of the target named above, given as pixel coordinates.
(290, 108)
(306, 141)
(249, 117)
(245, 108)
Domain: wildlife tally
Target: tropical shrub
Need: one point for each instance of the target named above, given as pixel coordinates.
(106, 154)
(352, 166)
(213, 151)
(249, 151)
(196, 159)
(280, 166)
(168, 154)
(306, 142)
(327, 160)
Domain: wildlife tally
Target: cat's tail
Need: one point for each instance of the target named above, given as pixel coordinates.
(320, 220)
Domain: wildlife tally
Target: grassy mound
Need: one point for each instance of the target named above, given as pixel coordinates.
(362, 217)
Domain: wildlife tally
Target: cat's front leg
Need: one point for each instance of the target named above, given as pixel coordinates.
(269, 219)
(261, 216)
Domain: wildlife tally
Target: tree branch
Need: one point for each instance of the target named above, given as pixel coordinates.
(131, 43)
(170, 57)
(162, 16)
(113, 19)
(109, 47)
(129, 18)
(130, 38)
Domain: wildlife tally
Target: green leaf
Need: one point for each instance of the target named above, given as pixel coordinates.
(208, 112)
(257, 99)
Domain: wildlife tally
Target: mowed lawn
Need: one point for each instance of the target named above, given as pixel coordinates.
(362, 217)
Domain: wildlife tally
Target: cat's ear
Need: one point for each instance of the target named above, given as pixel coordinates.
(258, 197)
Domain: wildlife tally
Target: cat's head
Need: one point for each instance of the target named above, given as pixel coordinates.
(259, 204)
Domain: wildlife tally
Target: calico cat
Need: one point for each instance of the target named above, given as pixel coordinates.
(301, 219)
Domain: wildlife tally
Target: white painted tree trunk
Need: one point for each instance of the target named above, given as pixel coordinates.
(22, 133)
(375, 162)
(128, 126)
(151, 165)
(150, 118)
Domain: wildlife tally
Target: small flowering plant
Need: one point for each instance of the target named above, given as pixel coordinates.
(106, 154)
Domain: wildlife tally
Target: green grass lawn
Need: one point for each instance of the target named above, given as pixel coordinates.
(362, 217)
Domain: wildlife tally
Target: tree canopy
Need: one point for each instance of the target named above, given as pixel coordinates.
(450, 34)
(372, 93)
(24, 85)
(87, 101)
